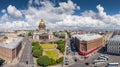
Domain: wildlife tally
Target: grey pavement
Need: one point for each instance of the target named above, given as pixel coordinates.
(26, 59)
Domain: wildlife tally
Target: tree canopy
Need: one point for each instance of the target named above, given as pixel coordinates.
(44, 61)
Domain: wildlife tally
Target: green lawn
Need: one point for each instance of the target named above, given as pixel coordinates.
(48, 46)
(52, 54)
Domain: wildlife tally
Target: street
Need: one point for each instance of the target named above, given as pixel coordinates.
(26, 59)
(71, 54)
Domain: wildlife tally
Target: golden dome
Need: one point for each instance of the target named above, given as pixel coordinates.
(42, 22)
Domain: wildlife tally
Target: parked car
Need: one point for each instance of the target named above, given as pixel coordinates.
(102, 57)
(75, 59)
(95, 66)
(26, 62)
(86, 63)
(113, 65)
(66, 61)
(75, 53)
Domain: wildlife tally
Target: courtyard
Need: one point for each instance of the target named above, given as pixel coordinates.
(51, 51)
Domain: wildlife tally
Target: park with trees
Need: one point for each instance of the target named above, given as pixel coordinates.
(47, 54)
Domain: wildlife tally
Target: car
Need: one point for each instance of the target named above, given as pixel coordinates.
(67, 46)
(75, 59)
(103, 58)
(67, 53)
(26, 62)
(113, 65)
(86, 63)
(95, 66)
(66, 61)
(86, 57)
(69, 49)
(75, 53)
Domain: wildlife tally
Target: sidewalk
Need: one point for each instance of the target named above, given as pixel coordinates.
(60, 65)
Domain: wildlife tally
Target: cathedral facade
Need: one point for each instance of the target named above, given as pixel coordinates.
(41, 33)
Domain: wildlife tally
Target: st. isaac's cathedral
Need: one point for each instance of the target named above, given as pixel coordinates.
(42, 33)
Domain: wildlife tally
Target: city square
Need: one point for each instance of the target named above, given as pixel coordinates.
(59, 33)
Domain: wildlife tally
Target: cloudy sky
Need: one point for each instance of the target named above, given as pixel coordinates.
(59, 14)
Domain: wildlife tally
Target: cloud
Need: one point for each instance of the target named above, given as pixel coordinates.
(91, 19)
(60, 17)
(14, 12)
(15, 25)
(3, 11)
(4, 18)
(67, 8)
(49, 13)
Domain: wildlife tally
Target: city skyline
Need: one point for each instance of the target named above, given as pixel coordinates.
(59, 14)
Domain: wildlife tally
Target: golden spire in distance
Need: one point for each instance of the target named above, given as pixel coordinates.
(42, 22)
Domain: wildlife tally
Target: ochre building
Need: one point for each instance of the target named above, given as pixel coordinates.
(9, 48)
(87, 43)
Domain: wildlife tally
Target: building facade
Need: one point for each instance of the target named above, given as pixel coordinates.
(87, 43)
(113, 45)
(10, 49)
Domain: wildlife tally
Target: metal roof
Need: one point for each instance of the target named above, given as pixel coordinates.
(13, 44)
(87, 37)
(115, 38)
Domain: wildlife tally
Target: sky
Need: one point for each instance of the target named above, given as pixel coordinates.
(59, 14)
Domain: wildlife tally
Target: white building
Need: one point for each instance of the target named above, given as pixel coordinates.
(42, 35)
(113, 45)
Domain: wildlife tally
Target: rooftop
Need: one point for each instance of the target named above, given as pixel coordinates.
(11, 43)
(87, 37)
(115, 38)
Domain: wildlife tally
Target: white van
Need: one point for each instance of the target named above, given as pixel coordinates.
(113, 65)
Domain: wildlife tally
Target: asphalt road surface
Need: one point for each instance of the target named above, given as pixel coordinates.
(26, 59)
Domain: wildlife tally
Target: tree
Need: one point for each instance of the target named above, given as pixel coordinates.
(37, 53)
(30, 33)
(44, 61)
(36, 47)
(53, 62)
(5, 37)
(62, 36)
(60, 60)
(60, 42)
(42, 42)
(1, 61)
(54, 33)
(21, 35)
(61, 45)
(36, 43)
